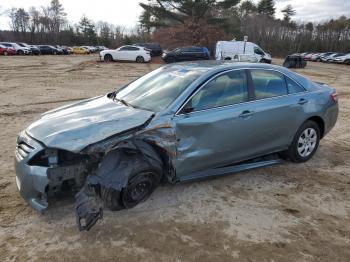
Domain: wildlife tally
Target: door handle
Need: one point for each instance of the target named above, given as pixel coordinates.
(302, 101)
(246, 113)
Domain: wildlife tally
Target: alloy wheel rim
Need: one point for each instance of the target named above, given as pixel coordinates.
(307, 142)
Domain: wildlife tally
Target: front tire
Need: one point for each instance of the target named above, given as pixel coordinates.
(140, 187)
(305, 142)
(108, 58)
(20, 52)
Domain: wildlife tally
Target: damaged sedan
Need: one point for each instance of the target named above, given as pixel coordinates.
(178, 123)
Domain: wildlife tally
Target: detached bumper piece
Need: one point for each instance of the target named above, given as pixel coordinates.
(88, 208)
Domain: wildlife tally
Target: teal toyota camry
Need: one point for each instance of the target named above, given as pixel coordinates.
(181, 122)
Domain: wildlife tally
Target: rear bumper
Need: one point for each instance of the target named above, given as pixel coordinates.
(331, 117)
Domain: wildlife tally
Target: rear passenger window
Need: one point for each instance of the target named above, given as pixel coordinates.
(268, 84)
(293, 87)
(227, 89)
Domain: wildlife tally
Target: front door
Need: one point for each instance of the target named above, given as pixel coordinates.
(212, 126)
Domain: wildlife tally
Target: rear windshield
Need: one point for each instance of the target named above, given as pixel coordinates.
(158, 89)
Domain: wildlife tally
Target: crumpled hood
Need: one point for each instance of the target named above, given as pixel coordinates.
(76, 126)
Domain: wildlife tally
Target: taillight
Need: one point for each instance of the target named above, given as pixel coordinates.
(334, 97)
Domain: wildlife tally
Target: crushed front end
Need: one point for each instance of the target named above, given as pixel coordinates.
(42, 172)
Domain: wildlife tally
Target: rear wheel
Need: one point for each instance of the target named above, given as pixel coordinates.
(20, 52)
(140, 59)
(305, 142)
(5, 53)
(108, 58)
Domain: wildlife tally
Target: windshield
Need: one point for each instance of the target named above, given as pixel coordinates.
(158, 89)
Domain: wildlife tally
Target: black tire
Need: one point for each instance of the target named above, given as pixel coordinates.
(347, 62)
(20, 52)
(5, 53)
(128, 170)
(108, 58)
(227, 58)
(295, 152)
(318, 60)
(140, 59)
(54, 52)
(140, 187)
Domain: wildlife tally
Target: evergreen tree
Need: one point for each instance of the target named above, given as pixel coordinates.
(288, 12)
(267, 7)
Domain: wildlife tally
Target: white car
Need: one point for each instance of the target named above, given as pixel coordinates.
(345, 59)
(20, 50)
(126, 53)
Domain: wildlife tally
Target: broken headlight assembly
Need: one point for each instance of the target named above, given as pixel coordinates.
(52, 157)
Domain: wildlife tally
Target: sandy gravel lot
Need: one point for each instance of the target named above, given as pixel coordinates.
(288, 212)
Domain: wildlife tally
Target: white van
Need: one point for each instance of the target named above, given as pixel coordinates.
(226, 50)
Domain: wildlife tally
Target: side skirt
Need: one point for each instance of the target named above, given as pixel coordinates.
(212, 173)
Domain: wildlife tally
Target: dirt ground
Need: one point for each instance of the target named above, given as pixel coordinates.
(287, 212)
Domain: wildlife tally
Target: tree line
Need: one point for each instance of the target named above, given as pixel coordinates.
(175, 23)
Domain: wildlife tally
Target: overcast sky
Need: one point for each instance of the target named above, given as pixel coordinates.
(126, 12)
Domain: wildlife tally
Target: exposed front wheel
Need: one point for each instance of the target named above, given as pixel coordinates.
(305, 142)
(139, 188)
(140, 59)
(20, 52)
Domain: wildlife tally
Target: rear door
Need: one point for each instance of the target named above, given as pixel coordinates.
(277, 111)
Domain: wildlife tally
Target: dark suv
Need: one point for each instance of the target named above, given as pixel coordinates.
(50, 50)
(186, 54)
(154, 48)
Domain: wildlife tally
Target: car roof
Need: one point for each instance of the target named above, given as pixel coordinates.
(212, 65)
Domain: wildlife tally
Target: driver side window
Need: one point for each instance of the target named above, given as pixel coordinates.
(227, 89)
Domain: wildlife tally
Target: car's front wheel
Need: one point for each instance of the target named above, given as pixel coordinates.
(140, 59)
(139, 188)
(305, 142)
(108, 58)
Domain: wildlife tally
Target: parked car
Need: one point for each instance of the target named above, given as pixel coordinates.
(126, 53)
(7, 50)
(308, 56)
(329, 58)
(35, 50)
(78, 50)
(178, 123)
(65, 49)
(50, 50)
(154, 48)
(345, 59)
(318, 56)
(226, 50)
(19, 49)
(189, 53)
(101, 48)
(91, 49)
